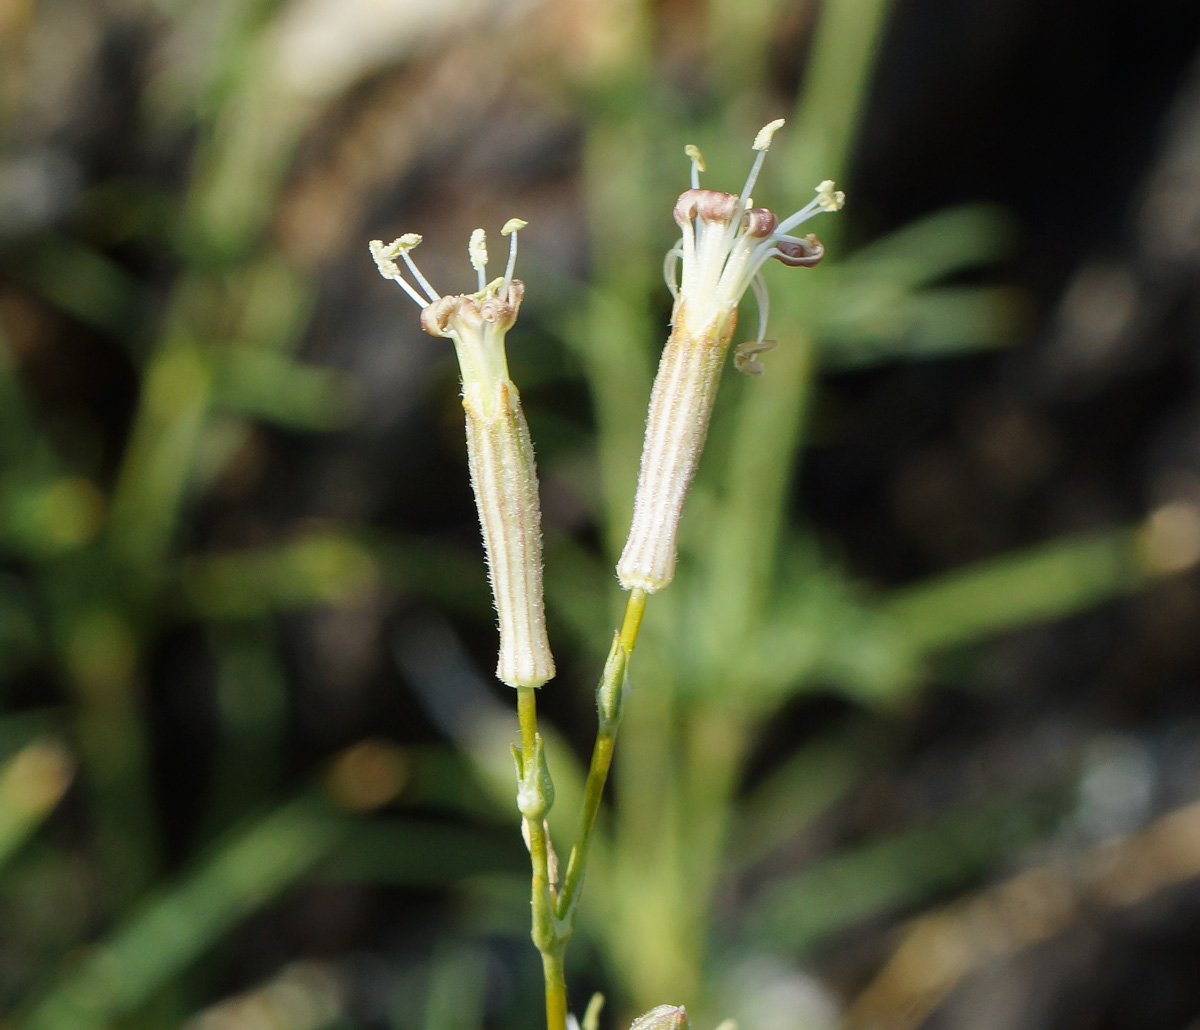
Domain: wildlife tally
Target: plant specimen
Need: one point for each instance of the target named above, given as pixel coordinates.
(723, 245)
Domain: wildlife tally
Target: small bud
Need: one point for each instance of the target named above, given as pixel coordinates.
(535, 789)
(662, 1017)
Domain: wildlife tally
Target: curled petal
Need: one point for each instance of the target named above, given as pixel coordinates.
(472, 309)
(707, 205)
(760, 222)
(435, 318)
(799, 253)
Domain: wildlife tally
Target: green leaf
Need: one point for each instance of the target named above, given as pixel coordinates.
(1021, 588)
(184, 919)
(796, 913)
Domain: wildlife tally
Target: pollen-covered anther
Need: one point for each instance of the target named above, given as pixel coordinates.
(763, 140)
(477, 250)
(800, 253)
(829, 199)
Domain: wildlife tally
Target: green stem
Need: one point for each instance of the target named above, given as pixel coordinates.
(546, 937)
(611, 688)
(556, 988)
(554, 919)
(527, 715)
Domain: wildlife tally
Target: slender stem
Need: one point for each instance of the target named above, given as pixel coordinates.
(544, 930)
(554, 919)
(611, 687)
(632, 622)
(527, 714)
(556, 988)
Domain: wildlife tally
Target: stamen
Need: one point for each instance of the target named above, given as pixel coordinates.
(385, 261)
(745, 355)
(698, 164)
(406, 243)
(511, 228)
(803, 215)
(385, 258)
(762, 143)
(763, 302)
(477, 250)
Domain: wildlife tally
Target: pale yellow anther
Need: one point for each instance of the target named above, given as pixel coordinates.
(513, 225)
(385, 258)
(407, 242)
(694, 153)
(763, 140)
(477, 249)
(829, 199)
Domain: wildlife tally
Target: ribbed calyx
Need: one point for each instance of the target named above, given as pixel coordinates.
(723, 245)
(680, 409)
(499, 450)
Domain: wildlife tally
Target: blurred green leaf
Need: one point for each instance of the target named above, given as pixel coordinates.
(322, 568)
(872, 323)
(930, 248)
(878, 305)
(424, 853)
(85, 284)
(796, 913)
(1050, 581)
(48, 517)
(31, 783)
(183, 919)
(457, 988)
(275, 388)
(792, 796)
(822, 628)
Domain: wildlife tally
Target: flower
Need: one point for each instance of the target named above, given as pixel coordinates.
(723, 245)
(499, 450)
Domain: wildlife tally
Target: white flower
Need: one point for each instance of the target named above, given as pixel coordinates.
(723, 245)
(499, 451)
(725, 242)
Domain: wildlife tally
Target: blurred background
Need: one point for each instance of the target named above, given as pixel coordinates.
(914, 738)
